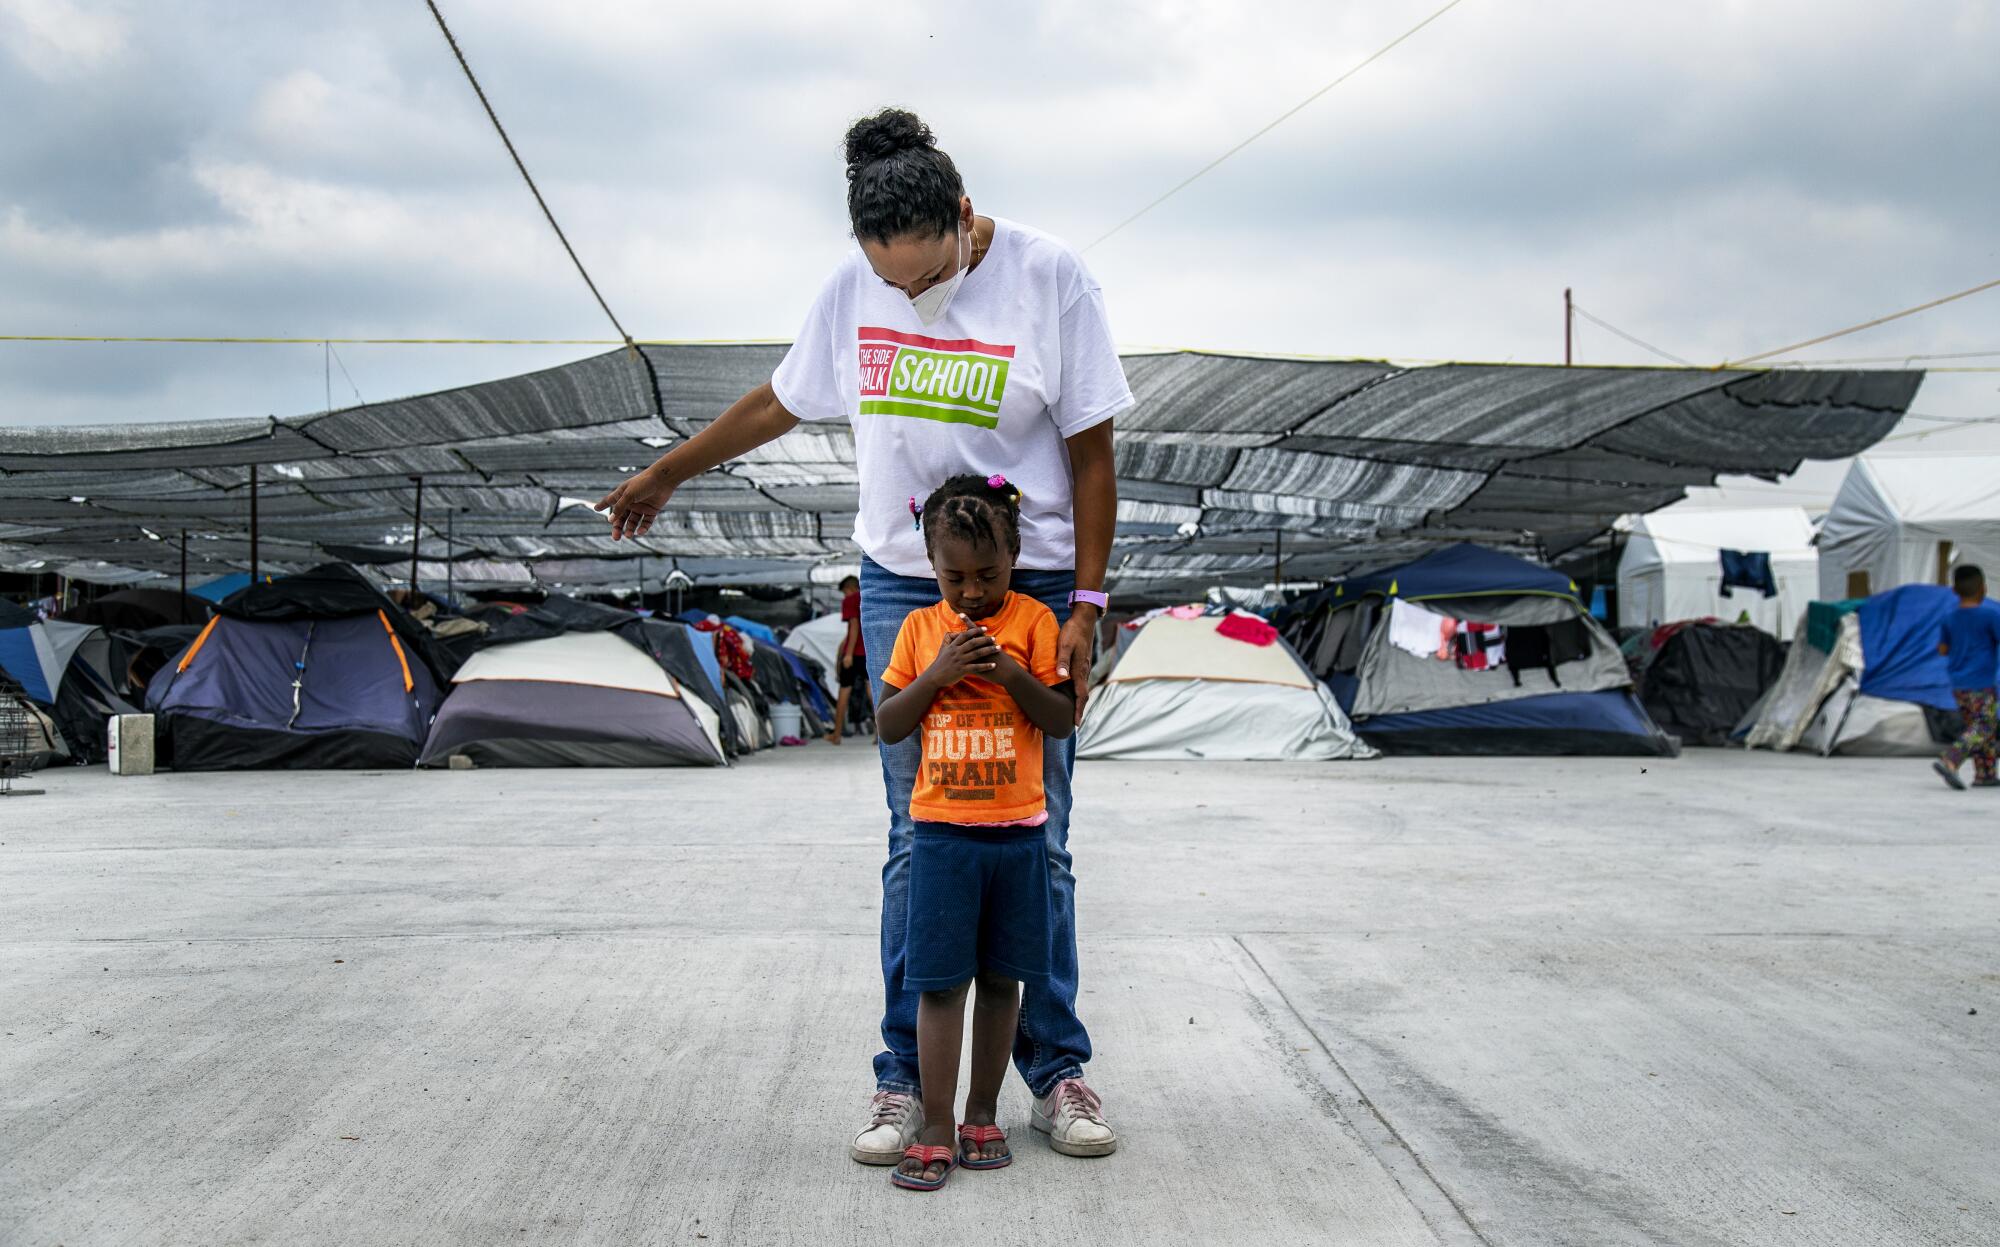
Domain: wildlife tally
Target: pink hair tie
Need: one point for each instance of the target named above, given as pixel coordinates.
(916, 513)
(996, 481)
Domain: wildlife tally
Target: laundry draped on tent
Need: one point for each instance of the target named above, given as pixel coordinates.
(1472, 651)
(1228, 466)
(1672, 567)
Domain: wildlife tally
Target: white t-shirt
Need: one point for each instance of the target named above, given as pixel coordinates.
(1023, 359)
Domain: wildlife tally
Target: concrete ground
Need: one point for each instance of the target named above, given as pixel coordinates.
(1726, 999)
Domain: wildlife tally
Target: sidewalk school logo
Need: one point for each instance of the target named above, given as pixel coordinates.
(954, 380)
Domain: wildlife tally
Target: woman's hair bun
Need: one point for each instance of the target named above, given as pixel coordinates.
(885, 134)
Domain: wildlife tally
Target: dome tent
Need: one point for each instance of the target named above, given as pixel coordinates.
(1181, 689)
(317, 670)
(68, 671)
(1578, 702)
(686, 655)
(578, 698)
(1701, 678)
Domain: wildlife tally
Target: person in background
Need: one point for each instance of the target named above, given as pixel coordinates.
(1970, 638)
(852, 659)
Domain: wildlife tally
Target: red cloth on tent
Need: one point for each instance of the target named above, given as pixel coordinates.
(1248, 629)
(730, 648)
(1665, 632)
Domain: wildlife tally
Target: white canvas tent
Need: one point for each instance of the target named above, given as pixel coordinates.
(1907, 520)
(1672, 566)
(1183, 690)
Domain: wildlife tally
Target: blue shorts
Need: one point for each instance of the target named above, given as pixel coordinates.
(979, 900)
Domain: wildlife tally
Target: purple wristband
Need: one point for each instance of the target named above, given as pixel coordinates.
(1101, 601)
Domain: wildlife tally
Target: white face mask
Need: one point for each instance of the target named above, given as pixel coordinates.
(931, 305)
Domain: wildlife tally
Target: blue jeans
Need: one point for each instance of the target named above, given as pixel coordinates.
(1051, 1044)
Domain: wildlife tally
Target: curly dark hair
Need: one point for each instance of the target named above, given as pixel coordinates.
(971, 507)
(898, 182)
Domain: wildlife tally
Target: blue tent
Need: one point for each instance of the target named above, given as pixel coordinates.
(1463, 570)
(26, 656)
(318, 670)
(1576, 701)
(221, 587)
(751, 628)
(1553, 723)
(1900, 629)
(812, 692)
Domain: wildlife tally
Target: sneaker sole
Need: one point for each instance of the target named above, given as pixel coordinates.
(1073, 1149)
(867, 1157)
(1950, 776)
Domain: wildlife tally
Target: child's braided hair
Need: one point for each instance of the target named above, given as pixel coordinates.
(984, 510)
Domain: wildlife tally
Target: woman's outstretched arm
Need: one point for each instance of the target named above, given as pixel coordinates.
(752, 420)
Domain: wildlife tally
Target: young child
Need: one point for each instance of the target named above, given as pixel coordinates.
(1970, 638)
(976, 673)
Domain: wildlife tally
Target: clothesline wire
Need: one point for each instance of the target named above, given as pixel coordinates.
(1273, 124)
(1866, 324)
(1954, 425)
(1953, 419)
(1601, 323)
(625, 338)
(1886, 359)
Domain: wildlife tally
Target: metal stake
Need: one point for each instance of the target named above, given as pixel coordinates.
(253, 523)
(416, 536)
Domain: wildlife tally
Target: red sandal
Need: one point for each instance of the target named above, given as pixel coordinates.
(979, 1137)
(928, 1155)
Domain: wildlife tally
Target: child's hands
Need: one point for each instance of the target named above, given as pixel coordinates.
(970, 652)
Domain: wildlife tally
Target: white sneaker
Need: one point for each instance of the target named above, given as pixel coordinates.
(1073, 1118)
(894, 1121)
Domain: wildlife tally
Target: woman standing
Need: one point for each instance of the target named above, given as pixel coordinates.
(952, 343)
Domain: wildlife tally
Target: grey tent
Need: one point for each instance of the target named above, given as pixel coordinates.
(1181, 689)
(575, 699)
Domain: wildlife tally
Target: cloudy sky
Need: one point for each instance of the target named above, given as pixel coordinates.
(1717, 177)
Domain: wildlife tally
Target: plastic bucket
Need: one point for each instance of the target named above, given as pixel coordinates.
(787, 720)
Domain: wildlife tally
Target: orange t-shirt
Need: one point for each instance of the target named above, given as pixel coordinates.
(982, 756)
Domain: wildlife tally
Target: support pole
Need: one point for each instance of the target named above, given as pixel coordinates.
(416, 538)
(253, 523)
(1278, 571)
(450, 526)
(184, 576)
(1569, 325)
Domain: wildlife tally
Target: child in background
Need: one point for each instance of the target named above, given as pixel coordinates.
(1970, 638)
(976, 673)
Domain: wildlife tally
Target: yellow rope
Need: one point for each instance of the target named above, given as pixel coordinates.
(1866, 324)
